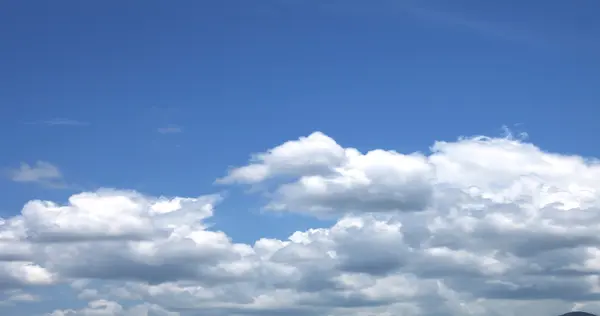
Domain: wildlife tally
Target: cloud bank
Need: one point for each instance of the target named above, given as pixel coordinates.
(477, 226)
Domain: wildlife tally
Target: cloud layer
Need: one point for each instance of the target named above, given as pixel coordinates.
(477, 226)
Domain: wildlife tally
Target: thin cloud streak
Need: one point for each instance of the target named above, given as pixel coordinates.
(170, 130)
(502, 30)
(482, 27)
(60, 122)
(478, 25)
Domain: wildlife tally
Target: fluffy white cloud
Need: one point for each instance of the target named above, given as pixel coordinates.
(313, 154)
(477, 226)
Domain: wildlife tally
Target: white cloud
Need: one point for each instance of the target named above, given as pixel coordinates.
(328, 178)
(314, 153)
(42, 172)
(479, 226)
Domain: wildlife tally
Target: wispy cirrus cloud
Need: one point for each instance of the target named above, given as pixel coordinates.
(482, 27)
(484, 22)
(539, 34)
(59, 122)
(171, 129)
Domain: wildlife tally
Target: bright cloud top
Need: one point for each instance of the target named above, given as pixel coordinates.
(476, 226)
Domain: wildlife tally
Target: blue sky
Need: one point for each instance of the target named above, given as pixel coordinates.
(165, 97)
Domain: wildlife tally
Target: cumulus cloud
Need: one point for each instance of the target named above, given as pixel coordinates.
(40, 172)
(477, 226)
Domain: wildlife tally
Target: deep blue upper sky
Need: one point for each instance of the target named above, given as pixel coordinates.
(242, 76)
